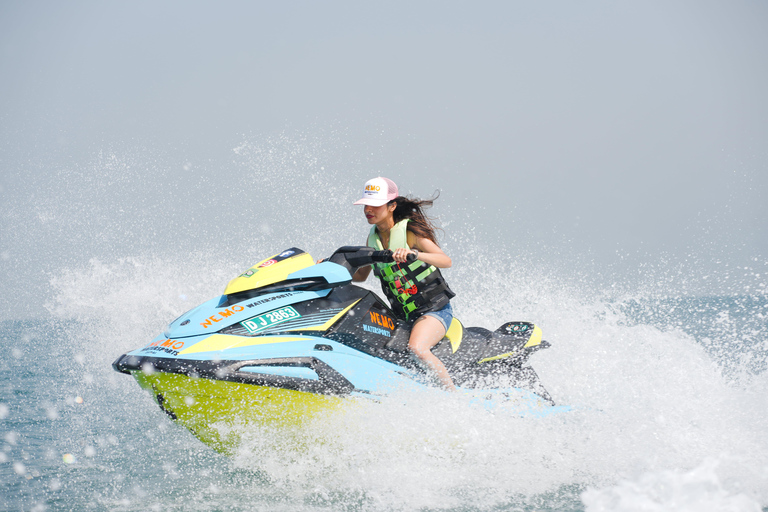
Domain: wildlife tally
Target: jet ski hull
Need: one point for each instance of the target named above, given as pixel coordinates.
(219, 413)
(290, 341)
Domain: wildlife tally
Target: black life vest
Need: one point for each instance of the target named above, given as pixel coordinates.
(412, 288)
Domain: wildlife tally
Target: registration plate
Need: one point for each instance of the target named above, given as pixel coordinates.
(261, 322)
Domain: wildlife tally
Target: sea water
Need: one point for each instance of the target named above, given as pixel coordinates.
(670, 399)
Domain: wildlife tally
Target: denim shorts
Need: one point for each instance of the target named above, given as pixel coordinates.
(445, 315)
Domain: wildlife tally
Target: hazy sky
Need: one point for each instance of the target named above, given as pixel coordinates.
(595, 130)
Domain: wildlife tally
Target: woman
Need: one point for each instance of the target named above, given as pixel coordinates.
(417, 291)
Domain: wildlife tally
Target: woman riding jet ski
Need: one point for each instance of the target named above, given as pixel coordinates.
(416, 290)
(291, 340)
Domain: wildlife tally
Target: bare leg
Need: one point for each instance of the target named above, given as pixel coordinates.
(426, 333)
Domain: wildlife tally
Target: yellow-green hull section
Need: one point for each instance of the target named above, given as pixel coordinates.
(220, 413)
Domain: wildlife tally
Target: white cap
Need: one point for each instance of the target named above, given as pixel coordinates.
(378, 191)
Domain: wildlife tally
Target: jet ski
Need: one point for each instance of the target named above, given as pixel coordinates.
(290, 339)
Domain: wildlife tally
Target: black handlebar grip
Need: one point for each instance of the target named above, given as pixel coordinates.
(382, 256)
(386, 257)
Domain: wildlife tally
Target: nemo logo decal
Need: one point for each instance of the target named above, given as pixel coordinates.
(382, 320)
(167, 346)
(221, 316)
(372, 188)
(167, 343)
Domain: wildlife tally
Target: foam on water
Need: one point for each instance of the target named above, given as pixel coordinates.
(654, 410)
(697, 490)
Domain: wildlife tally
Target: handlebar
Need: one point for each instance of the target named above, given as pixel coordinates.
(354, 257)
(386, 256)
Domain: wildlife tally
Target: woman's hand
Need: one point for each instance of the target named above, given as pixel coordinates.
(401, 255)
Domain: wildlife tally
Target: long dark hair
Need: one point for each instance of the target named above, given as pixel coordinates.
(413, 209)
